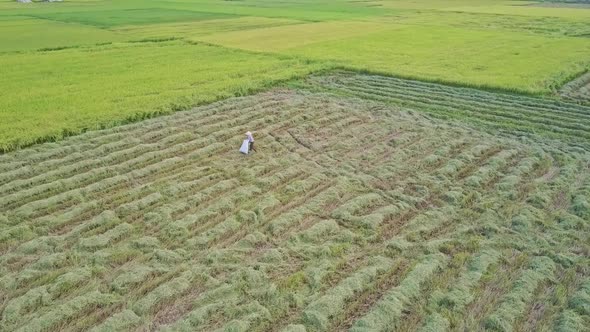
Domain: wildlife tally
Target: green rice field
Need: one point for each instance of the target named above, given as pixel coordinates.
(420, 165)
(258, 44)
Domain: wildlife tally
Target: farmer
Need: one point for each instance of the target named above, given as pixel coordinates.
(250, 141)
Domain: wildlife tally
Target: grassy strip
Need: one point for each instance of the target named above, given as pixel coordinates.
(127, 83)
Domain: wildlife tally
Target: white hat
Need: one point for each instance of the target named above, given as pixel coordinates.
(248, 133)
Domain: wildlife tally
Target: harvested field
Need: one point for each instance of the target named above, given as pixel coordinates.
(353, 214)
(578, 89)
(502, 113)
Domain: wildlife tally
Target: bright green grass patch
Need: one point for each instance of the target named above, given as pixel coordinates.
(292, 36)
(301, 10)
(95, 12)
(323, 10)
(47, 95)
(109, 18)
(191, 29)
(511, 61)
(31, 34)
(309, 10)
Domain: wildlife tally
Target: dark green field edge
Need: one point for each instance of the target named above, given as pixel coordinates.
(111, 18)
(498, 112)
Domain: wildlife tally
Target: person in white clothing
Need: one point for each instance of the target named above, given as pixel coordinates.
(250, 141)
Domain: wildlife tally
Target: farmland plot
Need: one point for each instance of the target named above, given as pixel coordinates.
(578, 89)
(490, 59)
(83, 64)
(353, 214)
(140, 83)
(513, 114)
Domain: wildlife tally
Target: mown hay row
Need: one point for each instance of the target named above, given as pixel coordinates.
(353, 213)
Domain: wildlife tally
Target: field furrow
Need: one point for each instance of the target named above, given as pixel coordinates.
(509, 113)
(352, 214)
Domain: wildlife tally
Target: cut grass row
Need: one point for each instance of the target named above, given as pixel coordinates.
(508, 113)
(578, 89)
(184, 233)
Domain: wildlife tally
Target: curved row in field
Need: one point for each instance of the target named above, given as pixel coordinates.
(352, 215)
(501, 112)
(577, 89)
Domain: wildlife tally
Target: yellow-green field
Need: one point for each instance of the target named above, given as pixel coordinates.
(29, 34)
(488, 58)
(502, 45)
(59, 93)
(187, 30)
